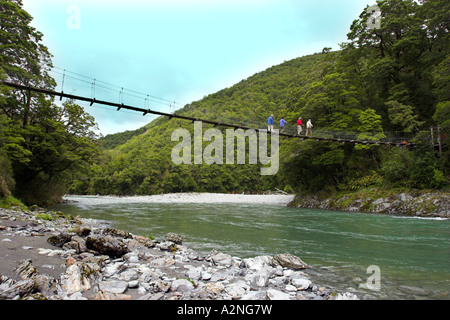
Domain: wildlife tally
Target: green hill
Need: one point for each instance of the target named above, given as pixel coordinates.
(143, 165)
(391, 79)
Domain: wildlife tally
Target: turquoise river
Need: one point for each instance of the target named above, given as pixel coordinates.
(411, 254)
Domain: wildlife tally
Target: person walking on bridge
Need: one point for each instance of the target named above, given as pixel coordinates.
(270, 123)
(309, 127)
(282, 124)
(299, 126)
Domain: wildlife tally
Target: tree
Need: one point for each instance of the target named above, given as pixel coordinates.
(6, 174)
(24, 59)
(398, 55)
(404, 116)
(394, 77)
(370, 128)
(45, 144)
(58, 147)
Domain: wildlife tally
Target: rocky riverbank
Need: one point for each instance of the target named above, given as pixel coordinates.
(49, 256)
(416, 204)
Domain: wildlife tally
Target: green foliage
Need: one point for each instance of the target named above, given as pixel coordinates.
(441, 79)
(112, 141)
(442, 114)
(42, 145)
(394, 78)
(404, 116)
(288, 189)
(7, 181)
(370, 180)
(11, 202)
(418, 169)
(45, 217)
(398, 58)
(438, 181)
(370, 127)
(396, 169)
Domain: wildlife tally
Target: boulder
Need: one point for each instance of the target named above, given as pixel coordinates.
(274, 294)
(195, 273)
(107, 245)
(158, 285)
(255, 295)
(113, 286)
(261, 277)
(82, 231)
(260, 280)
(289, 261)
(206, 276)
(167, 246)
(76, 243)
(214, 287)
(105, 295)
(142, 241)
(117, 233)
(77, 277)
(129, 275)
(404, 197)
(26, 270)
(19, 289)
(163, 262)
(236, 289)
(111, 269)
(46, 285)
(175, 238)
(301, 283)
(222, 259)
(181, 284)
(257, 263)
(59, 240)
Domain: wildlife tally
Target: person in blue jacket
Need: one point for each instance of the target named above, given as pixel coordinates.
(270, 123)
(282, 124)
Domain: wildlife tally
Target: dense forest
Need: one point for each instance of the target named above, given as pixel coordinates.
(394, 78)
(41, 144)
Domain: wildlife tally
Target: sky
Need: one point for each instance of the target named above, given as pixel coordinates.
(181, 50)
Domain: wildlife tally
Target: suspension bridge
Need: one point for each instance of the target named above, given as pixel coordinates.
(100, 90)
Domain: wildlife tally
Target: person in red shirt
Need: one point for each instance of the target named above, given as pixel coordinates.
(299, 126)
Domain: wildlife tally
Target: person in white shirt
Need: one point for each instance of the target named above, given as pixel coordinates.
(309, 127)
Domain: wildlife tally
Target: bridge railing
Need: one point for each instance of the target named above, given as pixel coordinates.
(91, 90)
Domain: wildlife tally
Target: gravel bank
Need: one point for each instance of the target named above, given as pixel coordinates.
(46, 255)
(282, 200)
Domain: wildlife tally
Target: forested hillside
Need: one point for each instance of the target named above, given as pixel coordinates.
(391, 79)
(41, 144)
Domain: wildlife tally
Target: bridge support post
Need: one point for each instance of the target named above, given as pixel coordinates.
(432, 136)
(439, 140)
